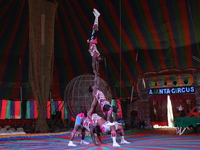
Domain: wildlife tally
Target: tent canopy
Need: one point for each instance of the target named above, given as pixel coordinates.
(134, 36)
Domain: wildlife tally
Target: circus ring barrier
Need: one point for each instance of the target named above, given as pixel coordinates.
(192, 119)
(33, 136)
(182, 123)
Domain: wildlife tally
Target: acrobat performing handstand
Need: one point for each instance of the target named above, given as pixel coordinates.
(96, 57)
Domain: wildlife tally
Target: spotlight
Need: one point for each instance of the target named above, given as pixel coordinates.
(186, 81)
(174, 82)
(165, 83)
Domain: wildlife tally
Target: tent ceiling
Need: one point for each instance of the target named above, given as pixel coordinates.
(134, 36)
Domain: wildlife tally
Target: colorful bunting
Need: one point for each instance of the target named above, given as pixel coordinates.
(12, 109)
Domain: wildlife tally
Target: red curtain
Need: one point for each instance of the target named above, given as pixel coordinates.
(158, 106)
(158, 110)
(186, 101)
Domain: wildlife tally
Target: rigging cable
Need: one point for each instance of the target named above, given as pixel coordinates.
(120, 43)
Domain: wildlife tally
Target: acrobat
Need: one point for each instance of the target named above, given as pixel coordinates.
(79, 120)
(88, 124)
(106, 127)
(99, 97)
(96, 57)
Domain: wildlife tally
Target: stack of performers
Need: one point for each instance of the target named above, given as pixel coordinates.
(93, 125)
(90, 120)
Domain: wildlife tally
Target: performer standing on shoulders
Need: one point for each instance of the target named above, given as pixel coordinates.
(99, 97)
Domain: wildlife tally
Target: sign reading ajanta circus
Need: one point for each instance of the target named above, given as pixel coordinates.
(173, 90)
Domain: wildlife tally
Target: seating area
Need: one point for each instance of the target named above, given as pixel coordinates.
(7, 130)
(15, 126)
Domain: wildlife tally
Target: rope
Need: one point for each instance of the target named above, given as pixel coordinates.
(120, 44)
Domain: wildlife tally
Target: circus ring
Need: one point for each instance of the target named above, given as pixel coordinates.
(148, 139)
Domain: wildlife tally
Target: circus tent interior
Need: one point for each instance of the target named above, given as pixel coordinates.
(150, 48)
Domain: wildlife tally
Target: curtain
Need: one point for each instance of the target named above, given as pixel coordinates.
(170, 116)
(117, 103)
(41, 55)
(186, 101)
(158, 106)
(158, 110)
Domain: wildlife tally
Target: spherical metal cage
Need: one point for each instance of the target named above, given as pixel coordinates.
(77, 97)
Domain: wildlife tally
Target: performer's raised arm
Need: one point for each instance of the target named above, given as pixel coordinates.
(91, 110)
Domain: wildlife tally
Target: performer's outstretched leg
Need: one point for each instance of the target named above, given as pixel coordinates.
(114, 136)
(96, 14)
(77, 125)
(121, 132)
(83, 137)
(93, 39)
(72, 136)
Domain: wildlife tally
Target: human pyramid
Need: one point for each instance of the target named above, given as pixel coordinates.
(90, 120)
